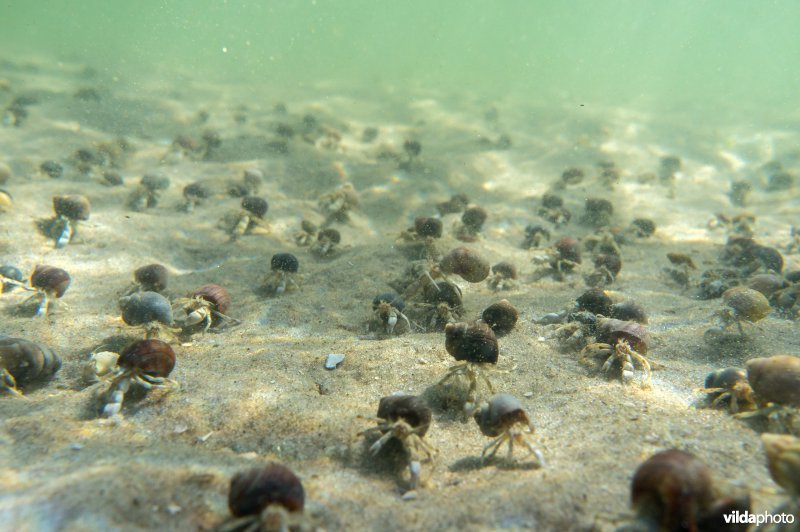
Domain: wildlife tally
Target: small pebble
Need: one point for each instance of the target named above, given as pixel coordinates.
(172, 509)
(410, 495)
(528, 395)
(333, 360)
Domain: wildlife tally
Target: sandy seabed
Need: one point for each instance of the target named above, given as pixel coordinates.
(258, 392)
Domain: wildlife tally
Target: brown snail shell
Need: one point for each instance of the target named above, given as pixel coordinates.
(53, 281)
(152, 277)
(466, 263)
(72, 206)
(27, 361)
(673, 489)
(253, 490)
(502, 412)
(747, 304)
(474, 342)
(783, 460)
(409, 408)
(216, 295)
(569, 249)
(330, 234)
(151, 357)
(611, 331)
(505, 270)
(501, 317)
(776, 379)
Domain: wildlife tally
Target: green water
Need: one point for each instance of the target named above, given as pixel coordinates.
(711, 53)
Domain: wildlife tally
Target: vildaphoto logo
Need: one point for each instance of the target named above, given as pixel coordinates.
(764, 518)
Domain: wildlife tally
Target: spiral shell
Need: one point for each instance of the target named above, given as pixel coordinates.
(53, 281)
(152, 277)
(471, 342)
(216, 295)
(776, 379)
(146, 307)
(611, 331)
(501, 317)
(149, 357)
(502, 412)
(252, 491)
(466, 263)
(409, 408)
(73, 206)
(27, 361)
(747, 304)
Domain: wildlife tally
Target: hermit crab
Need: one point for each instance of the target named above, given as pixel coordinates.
(23, 362)
(147, 363)
(48, 282)
(473, 346)
(405, 418)
(622, 344)
(502, 418)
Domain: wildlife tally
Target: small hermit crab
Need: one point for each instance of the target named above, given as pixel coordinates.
(386, 309)
(23, 362)
(249, 218)
(206, 307)
(336, 205)
(194, 194)
(442, 304)
(150, 310)
(744, 304)
(504, 275)
(473, 346)
(419, 242)
(48, 282)
(284, 267)
(327, 241)
(265, 499)
(561, 259)
(307, 233)
(622, 343)
(147, 363)
(775, 382)
(500, 419)
(729, 384)
(405, 418)
(148, 193)
(69, 210)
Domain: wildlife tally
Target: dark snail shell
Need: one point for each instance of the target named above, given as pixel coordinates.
(256, 206)
(284, 262)
(152, 277)
(54, 281)
(151, 357)
(610, 262)
(425, 226)
(253, 490)
(501, 317)
(474, 342)
(569, 249)
(629, 311)
(474, 218)
(725, 378)
(153, 181)
(331, 235)
(74, 206)
(776, 379)
(146, 307)
(611, 331)
(196, 191)
(216, 295)
(27, 361)
(596, 301)
(466, 263)
(409, 408)
(502, 412)
(672, 489)
(442, 292)
(505, 270)
(13, 273)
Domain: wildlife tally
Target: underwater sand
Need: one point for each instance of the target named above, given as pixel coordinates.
(259, 392)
